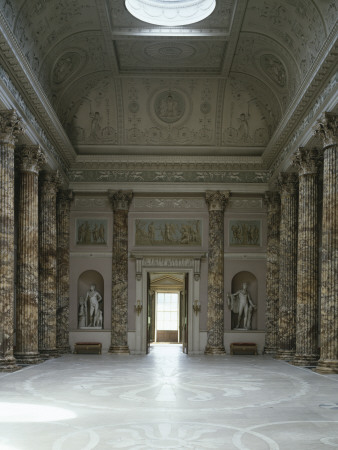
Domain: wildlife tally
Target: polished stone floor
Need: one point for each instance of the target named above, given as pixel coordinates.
(167, 400)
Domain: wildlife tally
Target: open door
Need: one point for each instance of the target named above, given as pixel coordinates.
(184, 315)
(149, 313)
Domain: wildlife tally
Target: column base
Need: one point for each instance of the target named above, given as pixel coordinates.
(327, 366)
(64, 350)
(119, 349)
(28, 358)
(285, 355)
(8, 365)
(214, 351)
(305, 360)
(49, 353)
(270, 351)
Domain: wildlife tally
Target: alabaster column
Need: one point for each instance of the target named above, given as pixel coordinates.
(307, 265)
(328, 363)
(10, 127)
(47, 264)
(63, 201)
(272, 201)
(30, 160)
(288, 266)
(216, 201)
(119, 335)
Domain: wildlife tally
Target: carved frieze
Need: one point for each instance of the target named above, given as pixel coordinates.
(165, 203)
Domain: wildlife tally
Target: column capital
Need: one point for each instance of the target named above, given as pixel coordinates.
(11, 125)
(30, 158)
(65, 197)
(120, 200)
(327, 129)
(307, 160)
(272, 200)
(217, 200)
(50, 180)
(288, 183)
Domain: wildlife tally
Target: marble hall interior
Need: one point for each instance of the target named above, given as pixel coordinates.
(168, 224)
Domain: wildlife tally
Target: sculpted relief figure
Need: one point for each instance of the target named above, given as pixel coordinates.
(240, 303)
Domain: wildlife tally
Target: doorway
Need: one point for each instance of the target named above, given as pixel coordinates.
(167, 309)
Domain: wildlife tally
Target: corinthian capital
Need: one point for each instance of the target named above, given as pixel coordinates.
(272, 200)
(11, 125)
(327, 129)
(50, 182)
(30, 158)
(64, 198)
(120, 199)
(288, 183)
(217, 200)
(307, 160)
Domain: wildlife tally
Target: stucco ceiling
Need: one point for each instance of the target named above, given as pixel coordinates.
(218, 87)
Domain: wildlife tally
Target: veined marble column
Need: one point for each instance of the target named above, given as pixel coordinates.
(272, 200)
(328, 363)
(288, 266)
(63, 201)
(216, 201)
(30, 160)
(119, 334)
(307, 265)
(10, 127)
(47, 264)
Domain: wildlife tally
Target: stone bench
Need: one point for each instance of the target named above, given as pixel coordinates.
(88, 347)
(243, 348)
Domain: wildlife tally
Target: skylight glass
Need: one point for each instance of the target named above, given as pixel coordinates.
(170, 13)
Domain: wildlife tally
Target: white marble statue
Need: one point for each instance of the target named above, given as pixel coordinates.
(93, 299)
(240, 303)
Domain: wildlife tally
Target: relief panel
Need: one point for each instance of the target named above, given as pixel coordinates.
(168, 232)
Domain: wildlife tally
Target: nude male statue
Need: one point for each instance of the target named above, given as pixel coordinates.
(240, 303)
(93, 298)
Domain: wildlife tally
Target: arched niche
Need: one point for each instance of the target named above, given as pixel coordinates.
(90, 300)
(252, 287)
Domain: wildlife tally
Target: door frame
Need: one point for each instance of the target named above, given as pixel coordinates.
(148, 270)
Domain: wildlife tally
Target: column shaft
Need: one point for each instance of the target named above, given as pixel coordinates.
(307, 268)
(64, 199)
(216, 201)
(30, 159)
(328, 363)
(10, 126)
(288, 266)
(47, 264)
(272, 273)
(119, 336)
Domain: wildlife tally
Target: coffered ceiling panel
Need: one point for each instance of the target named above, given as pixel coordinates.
(172, 55)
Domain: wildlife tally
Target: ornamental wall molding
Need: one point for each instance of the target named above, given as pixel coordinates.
(91, 204)
(30, 87)
(304, 132)
(307, 92)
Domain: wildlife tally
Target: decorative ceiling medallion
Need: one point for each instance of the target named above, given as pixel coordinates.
(170, 13)
(167, 51)
(169, 106)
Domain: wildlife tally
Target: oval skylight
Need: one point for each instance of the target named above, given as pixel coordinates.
(170, 13)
